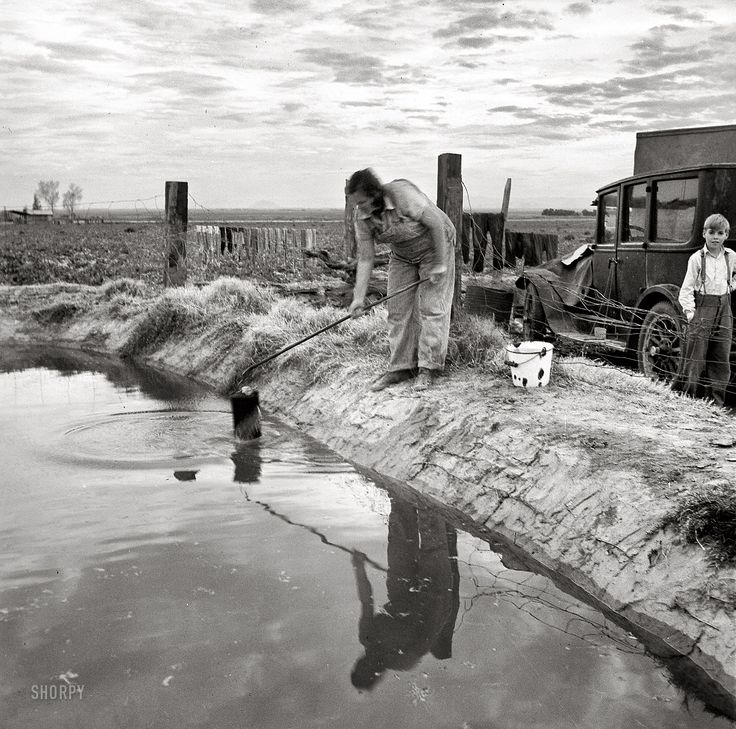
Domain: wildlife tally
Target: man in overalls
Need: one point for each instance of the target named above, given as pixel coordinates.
(422, 242)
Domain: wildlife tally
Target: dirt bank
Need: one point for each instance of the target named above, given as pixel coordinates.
(580, 474)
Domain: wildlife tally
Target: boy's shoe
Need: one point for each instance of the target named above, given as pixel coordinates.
(425, 378)
(391, 378)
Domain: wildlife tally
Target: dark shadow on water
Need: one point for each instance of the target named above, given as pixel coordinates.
(121, 373)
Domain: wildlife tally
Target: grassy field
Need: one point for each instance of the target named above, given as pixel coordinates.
(100, 252)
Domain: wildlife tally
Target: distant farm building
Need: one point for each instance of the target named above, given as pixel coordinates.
(31, 216)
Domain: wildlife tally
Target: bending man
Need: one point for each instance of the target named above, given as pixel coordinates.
(421, 239)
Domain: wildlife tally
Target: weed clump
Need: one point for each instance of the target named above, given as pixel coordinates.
(181, 311)
(289, 321)
(127, 286)
(56, 313)
(709, 520)
(237, 295)
(174, 313)
(477, 342)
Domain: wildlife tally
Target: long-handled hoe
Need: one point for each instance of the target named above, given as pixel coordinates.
(245, 403)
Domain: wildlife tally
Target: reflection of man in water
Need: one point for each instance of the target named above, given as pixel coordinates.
(423, 598)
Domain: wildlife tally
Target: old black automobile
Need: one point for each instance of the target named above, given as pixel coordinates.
(620, 294)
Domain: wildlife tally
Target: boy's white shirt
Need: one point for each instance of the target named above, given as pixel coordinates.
(718, 280)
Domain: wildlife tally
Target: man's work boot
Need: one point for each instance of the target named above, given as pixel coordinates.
(391, 378)
(426, 378)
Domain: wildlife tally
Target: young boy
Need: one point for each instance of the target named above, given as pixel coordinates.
(705, 297)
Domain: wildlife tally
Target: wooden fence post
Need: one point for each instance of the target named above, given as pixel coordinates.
(350, 246)
(175, 267)
(505, 213)
(450, 199)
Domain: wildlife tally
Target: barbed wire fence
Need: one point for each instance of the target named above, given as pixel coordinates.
(261, 249)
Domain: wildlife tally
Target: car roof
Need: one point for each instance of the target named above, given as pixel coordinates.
(670, 171)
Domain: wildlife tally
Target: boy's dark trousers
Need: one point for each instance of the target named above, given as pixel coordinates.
(708, 350)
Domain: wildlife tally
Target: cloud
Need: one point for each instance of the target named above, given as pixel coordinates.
(681, 12)
(654, 53)
(579, 8)
(350, 68)
(495, 21)
(183, 83)
(477, 42)
(363, 103)
(277, 7)
(80, 51)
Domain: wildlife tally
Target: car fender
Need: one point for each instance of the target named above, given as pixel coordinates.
(660, 292)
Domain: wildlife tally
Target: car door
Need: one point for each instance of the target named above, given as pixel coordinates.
(633, 242)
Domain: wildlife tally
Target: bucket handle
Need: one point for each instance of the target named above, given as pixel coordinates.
(542, 352)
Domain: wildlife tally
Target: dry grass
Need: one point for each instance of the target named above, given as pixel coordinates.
(479, 343)
(288, 321)
(57, 312)
(708, 518)
(178, 312)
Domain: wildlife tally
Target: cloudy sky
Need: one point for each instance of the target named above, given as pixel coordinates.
(276, 102)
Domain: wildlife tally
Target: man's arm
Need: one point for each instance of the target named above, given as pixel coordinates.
(365, 595)
(366, 256)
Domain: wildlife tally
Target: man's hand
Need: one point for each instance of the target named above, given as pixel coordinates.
(689, 315)
(436, 273)
(357, 308)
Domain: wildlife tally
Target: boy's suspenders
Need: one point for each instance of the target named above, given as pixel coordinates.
(702, 267)
(728, 269)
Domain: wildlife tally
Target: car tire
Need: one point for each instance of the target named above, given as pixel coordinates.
(661, 345)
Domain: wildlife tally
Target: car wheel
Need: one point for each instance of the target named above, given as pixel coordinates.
(661, 346)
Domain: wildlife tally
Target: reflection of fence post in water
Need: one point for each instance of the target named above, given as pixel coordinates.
(247, 460)
(175, 270)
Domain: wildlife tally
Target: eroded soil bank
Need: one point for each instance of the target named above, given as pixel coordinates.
(578, 476)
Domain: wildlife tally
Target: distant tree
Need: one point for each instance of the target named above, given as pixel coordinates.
(71, 197)
(36, 202)
(48, 190)
(588, 213)
(559, 212)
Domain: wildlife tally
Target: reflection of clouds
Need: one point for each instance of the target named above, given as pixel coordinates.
(540, 599)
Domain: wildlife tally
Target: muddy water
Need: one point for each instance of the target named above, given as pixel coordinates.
(155, 573)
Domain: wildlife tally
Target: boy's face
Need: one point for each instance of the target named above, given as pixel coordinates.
(715, 238)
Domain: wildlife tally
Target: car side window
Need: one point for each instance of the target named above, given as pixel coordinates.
(608, 217)
(674, 209)
(634, 210)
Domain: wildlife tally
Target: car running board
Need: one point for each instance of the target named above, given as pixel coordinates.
(592, 339)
